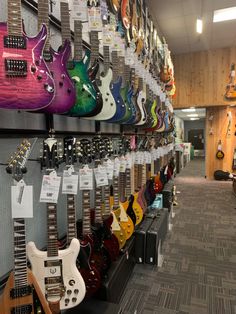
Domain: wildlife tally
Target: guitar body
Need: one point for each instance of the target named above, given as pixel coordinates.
(67, 269)
(125, 221)
(166, 121)
(230, 93)
(65, 95)
(128, 113)
(118, 231)
(86, 102)
(149, 192)
(132, 105)
(124, 16)
(92, 72)
(109, 104)
(136, 207)
(141, 99)
(148, 106)
(114, 6)
(7, 304)
(120, 106)
(129, 210)
(28, 86)
(141, 200)
(90, 274)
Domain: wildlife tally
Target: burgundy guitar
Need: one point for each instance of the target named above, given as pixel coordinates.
(57, 63)
(25, 81)
(90, 274)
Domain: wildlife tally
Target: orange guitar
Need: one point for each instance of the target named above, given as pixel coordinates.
(230, 93)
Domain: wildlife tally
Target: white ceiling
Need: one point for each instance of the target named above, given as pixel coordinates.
(184, 115)
(176, 20)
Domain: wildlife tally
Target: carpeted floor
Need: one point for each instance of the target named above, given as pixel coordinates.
(198, 275)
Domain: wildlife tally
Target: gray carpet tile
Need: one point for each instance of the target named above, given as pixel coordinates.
(198, 275)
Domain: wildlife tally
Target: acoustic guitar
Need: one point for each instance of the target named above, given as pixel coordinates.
(22, 293)
(230, 93)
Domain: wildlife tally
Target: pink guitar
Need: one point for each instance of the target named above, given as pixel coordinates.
(57, 63)
(25, 81)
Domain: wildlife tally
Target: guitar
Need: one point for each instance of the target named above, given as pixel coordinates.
(22, 293)
(56, 61)
(114, 5)
(90, 274)
(220, 154)
(230, 93)
(56, 271)
(141, 100)
(86, 96)
(25, 81)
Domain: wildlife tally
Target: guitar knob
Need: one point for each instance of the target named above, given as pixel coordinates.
(68, 90)
(69, 292)
(106, 99)
(76, 291)
(74, 300)
(72, 282)
(48, 88)
(61, 84)
(33, 69)
(63, 76)
(67, 301)
(39, 77)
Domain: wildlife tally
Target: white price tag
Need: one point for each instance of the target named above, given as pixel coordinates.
(22, 200)
(79, 10)
(107, 37)
(123, 164)
(69, 183)
(137, 158)
(94, 19)
(147, 158)
(141, 158)
(109, 168)
(50, 188)
(153, 154)
(86, 178)
(116, 42)
(129, 162)
(100, 176)
(116, 167)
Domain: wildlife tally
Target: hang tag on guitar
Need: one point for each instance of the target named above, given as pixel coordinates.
(79, 10)
(109, 165)
(69, 182)
(123, 163)
(129, 161)
(50, 188)
(107, 37)
(100, 176)
(85, 178)
(94, 19)
(116, 167)
(22, 200)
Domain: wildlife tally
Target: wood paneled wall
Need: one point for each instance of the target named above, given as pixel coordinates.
(219, 126)
(201, 77)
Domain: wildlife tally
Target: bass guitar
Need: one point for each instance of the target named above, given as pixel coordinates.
(25, 81)
(22, 293)
(56, 271)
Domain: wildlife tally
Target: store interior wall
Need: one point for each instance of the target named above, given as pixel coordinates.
(193, 125)
(179, 124)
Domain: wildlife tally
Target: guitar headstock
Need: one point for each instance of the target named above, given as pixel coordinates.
(98, 147)
(52, 153)
(84, 151)
(16, 163)
(108, 146)
(117, 146)
(69, 150)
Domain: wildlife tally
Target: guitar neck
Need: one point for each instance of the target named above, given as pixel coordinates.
(94, 46)
(128, 183)
(106, 58)
(20, 259)
(106, 201)
(71, 218)
(14, 18)
(43, 17)
(122, 180)
(86, 212)
(52, 230)
(116, 191)
(78, 42)
(115, 64)
(65, 22)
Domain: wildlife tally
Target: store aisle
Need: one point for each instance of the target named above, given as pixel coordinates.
(199, 270)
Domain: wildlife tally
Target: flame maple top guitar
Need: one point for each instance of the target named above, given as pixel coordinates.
(87, 101)
(25, 81)
(90, 273)
(57, 63)
(22, 293)
(55, 270)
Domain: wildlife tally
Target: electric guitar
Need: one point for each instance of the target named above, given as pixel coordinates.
(90, 274)
(25, 81)
(22, 293)
(55, 270)
(141, 100)
(86, 96)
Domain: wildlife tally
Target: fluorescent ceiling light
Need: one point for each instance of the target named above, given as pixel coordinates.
(192, 115)
(224, 14)
(192, 119)
(199, 26)
(189, 110)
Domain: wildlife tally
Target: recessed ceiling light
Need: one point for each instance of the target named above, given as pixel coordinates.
(189, 110)
(199, 26)
(192, 119)
(224, 14)
(192, 115)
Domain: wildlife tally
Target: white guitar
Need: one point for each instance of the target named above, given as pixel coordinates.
(55, 270)
(141, 100)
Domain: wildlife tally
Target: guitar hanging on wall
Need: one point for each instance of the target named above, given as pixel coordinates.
(230, 93)
(22, 293)
(220, 154)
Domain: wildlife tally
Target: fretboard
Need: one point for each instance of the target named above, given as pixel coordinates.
(86, 212)
(71, 218)
(20, 259)
(78, 42)
(140, 175)
(94, 42)
(122, 182)
(52, 230)
(98, 205)
(65, 22)
(106, 201)
(106, 58)
(115, 64)
(14, 17)
(43, 17)
(128, 183)
(116, 191)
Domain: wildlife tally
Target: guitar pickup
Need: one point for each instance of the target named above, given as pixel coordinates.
(20, 292)
(26, 309)
(17, 68)
(17, 42)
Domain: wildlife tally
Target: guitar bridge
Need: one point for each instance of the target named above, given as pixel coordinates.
(55, 290)
(16, 68)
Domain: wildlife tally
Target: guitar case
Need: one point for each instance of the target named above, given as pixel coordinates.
(168, 194)
(118, 275)
(140, 239)
(157, 232)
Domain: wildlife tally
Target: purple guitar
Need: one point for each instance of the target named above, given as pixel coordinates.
(25, 82)
(57, 63)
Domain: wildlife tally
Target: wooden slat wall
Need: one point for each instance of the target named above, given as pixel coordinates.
(201, 77)
(219, 126)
